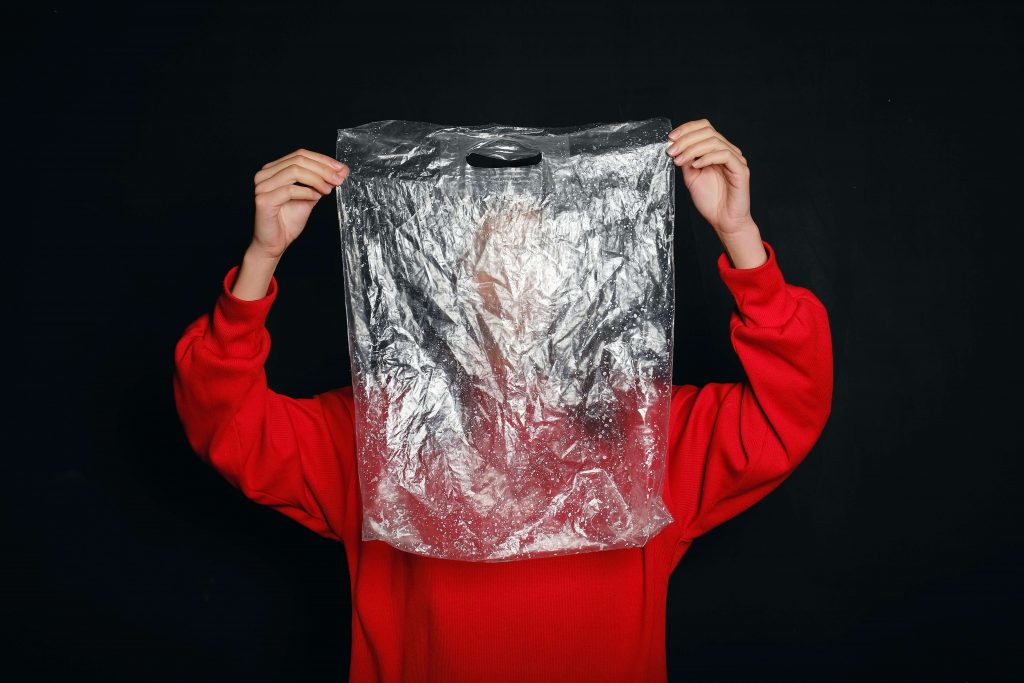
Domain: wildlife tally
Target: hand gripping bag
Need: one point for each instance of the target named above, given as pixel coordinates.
(510, 307)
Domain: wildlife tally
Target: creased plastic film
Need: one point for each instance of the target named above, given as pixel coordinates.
(510, 306)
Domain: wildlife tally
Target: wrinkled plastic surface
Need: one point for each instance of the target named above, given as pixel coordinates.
(510, 334)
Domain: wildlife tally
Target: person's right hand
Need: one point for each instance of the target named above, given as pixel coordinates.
(287, 189)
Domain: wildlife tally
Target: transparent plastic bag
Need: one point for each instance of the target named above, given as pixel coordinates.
(510, 306)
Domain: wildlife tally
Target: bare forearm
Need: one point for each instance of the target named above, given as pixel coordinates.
(743, 246)
(254, 275)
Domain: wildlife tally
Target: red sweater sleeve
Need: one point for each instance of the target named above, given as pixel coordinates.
(276, 449)
(730, 444)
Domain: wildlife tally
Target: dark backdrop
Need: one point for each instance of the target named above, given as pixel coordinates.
(884, 144)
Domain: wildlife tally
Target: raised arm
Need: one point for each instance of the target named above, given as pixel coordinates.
(292, 454)
(730, 444)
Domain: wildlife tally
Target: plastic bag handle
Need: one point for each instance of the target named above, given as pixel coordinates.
(484, 161)
(503, 153)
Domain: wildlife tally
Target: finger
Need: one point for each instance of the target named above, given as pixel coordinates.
(323, 169)
(292, 174)
(303, 152)
(693, 150)
(703, 126)
(725, 157)
(329, 175)
(687, 127)
(686, 143)
(285, 194)
(312, 164)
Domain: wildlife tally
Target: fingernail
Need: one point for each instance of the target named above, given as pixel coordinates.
(337, 164)
(672, 149)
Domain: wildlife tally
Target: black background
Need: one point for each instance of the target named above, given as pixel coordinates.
(884, 144)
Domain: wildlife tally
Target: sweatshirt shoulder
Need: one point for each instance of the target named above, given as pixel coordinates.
(340, 396)
(340, 413)
(682, 402)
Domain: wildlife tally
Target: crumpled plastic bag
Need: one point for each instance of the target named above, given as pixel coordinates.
(510, 306)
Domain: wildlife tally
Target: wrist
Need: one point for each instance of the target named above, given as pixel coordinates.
(256, 254)
(738, 229)
(744, 246)
(255, 275)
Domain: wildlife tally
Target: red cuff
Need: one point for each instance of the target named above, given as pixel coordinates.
(761, 294)
(237, 325)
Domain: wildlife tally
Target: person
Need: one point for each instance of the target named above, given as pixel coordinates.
(596, 616)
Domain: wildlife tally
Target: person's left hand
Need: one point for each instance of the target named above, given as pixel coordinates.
(718, 178)
(716, 174)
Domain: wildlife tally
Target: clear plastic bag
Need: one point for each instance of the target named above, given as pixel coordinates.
(510, 305)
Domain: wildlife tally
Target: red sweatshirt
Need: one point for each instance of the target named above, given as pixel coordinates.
(590, 617)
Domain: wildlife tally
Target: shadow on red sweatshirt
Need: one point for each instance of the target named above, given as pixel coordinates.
(590, 617)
